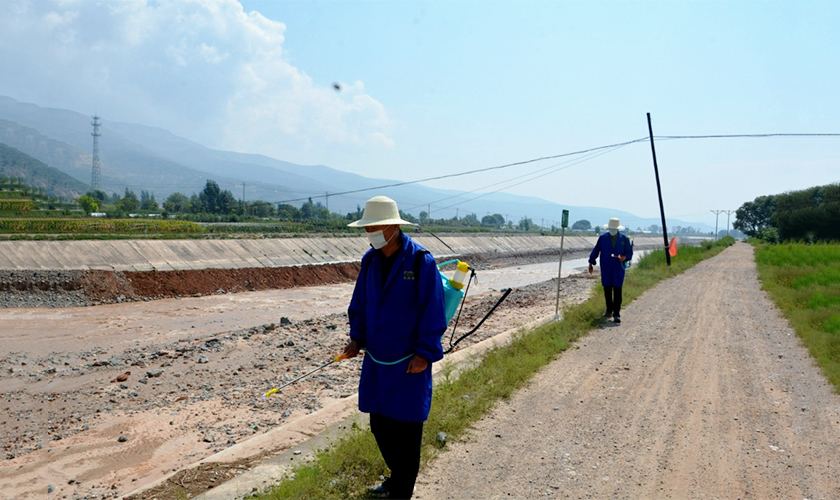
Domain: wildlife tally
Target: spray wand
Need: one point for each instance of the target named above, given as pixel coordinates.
(328, 363)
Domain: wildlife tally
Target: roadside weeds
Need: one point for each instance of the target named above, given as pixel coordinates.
(804, 281)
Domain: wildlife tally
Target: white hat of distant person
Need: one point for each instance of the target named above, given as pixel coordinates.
(614, 224)
(380, 211)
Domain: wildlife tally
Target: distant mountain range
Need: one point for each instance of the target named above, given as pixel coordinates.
(155, 160)
(15, 164)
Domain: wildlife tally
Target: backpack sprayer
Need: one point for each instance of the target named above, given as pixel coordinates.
(454, 293)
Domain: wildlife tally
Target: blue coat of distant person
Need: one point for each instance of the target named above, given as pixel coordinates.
(394, 320)
(612, 269)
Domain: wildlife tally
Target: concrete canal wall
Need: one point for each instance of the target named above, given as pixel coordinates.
(177, 255)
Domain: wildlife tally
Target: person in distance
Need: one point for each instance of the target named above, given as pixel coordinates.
(616, 250)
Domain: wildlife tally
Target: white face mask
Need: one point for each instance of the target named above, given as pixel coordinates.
(613, 232)
(377, 239)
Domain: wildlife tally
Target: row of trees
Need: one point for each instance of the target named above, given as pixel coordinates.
(94, 201)
(212, 200)
(810, 214)
(214, 203)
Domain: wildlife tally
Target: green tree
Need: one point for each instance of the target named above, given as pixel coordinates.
(98, 195)
(129, 202)
(176, 203)
(470, 220)
(88, 204)
(310, 210)
(259, 208)
(755, 215)
(525, 224)
(768, 233)
(495, 220)
(147, 201)
(583, 225)
(215, 201)
(810, 214)
(407, 216)
(289, 212)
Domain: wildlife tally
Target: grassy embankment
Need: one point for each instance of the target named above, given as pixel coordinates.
(804, 281)
(353, 462)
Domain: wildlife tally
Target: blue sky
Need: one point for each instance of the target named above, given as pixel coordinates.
(430, 88)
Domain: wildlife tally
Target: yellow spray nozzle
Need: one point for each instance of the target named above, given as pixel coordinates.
(336, 359)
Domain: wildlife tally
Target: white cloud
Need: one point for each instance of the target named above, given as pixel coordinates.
(211, 54)
(201, 68)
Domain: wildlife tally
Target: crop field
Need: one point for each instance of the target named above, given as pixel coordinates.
(804, 281)
(111, 226)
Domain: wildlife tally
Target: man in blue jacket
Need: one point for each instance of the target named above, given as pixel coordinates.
(397, 316)
(615, 249)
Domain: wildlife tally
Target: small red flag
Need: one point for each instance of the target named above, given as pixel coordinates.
(672, 248)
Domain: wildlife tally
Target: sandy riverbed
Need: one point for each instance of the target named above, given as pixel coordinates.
(99, 401)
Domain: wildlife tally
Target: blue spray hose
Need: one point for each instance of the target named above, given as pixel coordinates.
(390, 363)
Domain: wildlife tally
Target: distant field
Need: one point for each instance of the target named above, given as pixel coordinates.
(95, 226)
(804, 281)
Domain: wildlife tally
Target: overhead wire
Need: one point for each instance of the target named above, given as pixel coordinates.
(579, 160)
(735, 136)
(478, 170)
(464, 193)
(613, 147)
(532, 176)
(599, 149)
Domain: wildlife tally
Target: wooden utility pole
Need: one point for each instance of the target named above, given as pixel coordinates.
(659, 190)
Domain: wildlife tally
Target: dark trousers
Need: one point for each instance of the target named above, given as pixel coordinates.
(399, 442)
(613, 296)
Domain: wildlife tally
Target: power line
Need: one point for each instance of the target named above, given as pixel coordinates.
(731, 136)
(614, 147)
(464, 193)
(487, 169)
(581, 160)
(608, 148)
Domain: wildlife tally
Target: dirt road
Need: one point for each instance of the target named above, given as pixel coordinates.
(704, 391)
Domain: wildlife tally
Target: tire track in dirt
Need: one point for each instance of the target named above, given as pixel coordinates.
(704, 391)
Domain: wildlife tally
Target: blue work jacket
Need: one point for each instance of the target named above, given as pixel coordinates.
(393, 320)
(612, 270)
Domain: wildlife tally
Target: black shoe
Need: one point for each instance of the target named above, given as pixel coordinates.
(616, 319)
(607, 314)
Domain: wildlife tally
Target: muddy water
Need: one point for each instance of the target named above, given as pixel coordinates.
(517, 276)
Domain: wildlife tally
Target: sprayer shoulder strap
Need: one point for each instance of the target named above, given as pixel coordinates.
(418, 263)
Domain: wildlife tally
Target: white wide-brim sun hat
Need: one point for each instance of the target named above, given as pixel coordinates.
(380, 211)
(615, 224)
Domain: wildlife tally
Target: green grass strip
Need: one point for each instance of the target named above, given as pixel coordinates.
(804, 281)
(352, 463)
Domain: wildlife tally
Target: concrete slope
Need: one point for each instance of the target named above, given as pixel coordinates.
(169, 255)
